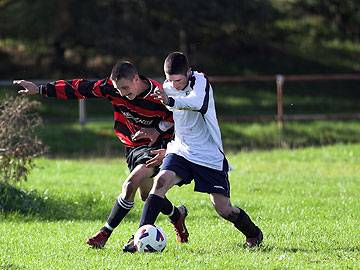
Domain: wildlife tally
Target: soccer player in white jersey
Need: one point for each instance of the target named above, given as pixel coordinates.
(196, 153)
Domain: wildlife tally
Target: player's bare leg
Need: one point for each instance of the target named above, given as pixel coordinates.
(123, 204)
(239, 218)
(144, 188)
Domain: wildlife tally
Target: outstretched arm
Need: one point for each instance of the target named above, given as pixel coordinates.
(71, 89)
(30, 88)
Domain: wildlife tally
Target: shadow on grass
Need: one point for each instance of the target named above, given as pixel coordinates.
(69, 140)
(31, 205)
(307, 250)
(73, 141)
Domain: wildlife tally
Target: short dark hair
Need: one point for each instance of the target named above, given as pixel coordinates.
(176, 63)
(123, 69)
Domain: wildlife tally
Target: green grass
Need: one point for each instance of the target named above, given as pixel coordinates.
(73, 140)
(305, 200)
(97, 139)
(294, 134)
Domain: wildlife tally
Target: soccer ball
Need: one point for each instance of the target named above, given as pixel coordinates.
(150, 238)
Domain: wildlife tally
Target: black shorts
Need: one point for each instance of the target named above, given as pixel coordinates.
(207, 180)
(141, 154)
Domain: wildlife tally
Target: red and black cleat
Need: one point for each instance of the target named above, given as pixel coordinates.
(182, 233)
(99, 239)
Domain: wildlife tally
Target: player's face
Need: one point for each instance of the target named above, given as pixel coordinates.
(127, 87)
(179, 81)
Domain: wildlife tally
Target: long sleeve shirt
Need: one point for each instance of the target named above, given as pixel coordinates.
(197, 133)
(129, 115)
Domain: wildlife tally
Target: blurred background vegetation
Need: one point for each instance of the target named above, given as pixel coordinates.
(67, 39)
(61, 38)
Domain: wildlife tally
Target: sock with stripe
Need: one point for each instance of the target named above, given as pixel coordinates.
(118, 212)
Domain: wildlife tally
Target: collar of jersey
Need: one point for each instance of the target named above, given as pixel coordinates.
(148, 90)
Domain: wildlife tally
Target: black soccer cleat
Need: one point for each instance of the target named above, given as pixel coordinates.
(252, 242)
(130, 246)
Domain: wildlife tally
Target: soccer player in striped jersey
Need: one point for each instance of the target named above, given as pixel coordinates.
(143, 125)
(196, 153)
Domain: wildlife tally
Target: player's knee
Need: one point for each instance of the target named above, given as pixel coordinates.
(129, 187)
(143, 195)
(161, 181)
(224, 211)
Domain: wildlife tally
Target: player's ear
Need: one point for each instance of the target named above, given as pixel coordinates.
(136, 78)
(188, 73)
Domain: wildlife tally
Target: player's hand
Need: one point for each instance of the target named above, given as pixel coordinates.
(160, 94)
(30, 88)
(147, 133)
(157, 160)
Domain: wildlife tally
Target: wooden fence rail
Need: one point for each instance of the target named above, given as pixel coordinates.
(279, 80)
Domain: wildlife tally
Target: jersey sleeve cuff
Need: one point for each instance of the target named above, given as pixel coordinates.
(158, 129)
(171, 102)
(163, 126)
(42, 90)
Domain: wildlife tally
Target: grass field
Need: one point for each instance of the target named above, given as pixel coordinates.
(97, 139)
(306, 201)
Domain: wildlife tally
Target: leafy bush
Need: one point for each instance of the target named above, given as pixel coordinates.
(18, 144)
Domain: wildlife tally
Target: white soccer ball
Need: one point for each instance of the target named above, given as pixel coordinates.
(150, 238)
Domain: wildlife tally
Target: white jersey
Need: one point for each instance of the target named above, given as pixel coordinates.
(197, 133)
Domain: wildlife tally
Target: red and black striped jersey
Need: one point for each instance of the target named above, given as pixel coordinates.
(129, 115)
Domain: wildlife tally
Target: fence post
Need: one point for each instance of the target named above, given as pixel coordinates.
(279, 94)
(82, 112)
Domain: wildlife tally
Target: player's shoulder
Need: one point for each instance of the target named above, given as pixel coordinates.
(198, 74)
(155, 84)
(197, 79)
(107, 87)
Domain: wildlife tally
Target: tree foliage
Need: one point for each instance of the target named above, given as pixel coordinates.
(86, 37)
(338, 18)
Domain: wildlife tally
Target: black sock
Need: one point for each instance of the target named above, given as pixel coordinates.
(170, 210)
(167, 207)
(153, 206)
(175, 215)
(118, 212)
(106, 229)
(244, 224)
